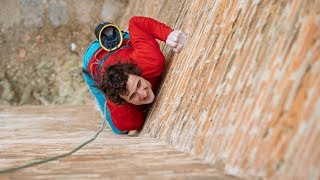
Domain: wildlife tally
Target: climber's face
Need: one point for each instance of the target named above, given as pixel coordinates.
(139, 91)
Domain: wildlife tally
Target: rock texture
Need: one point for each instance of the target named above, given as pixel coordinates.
(245, 91)
(31, 133)
(244, 94)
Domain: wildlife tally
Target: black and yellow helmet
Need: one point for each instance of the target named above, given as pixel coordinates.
(109, 36)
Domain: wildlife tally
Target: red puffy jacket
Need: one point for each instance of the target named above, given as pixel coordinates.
(146, 53)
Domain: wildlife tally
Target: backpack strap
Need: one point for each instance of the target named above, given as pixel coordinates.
(108, 55)
(93, 47)
(87, 73)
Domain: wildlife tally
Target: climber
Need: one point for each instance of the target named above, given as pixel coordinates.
(124, 70)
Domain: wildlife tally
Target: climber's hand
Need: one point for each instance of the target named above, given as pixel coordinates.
(176, 40)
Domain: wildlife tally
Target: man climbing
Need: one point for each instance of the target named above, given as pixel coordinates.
(123, 71)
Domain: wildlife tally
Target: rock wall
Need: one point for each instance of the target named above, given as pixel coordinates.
(244, 94)
(245, 91)
(31, 133)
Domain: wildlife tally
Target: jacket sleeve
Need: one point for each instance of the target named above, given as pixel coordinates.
(148, 28)
(143, 34)
(126, 117)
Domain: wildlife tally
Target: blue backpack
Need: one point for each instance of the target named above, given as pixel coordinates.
(109, 38)
(90, 79)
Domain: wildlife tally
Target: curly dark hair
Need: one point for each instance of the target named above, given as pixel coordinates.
(114, 81)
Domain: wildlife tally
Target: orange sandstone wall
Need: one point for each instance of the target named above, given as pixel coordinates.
(245, 91)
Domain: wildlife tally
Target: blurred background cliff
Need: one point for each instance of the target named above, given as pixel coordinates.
(42, 43)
